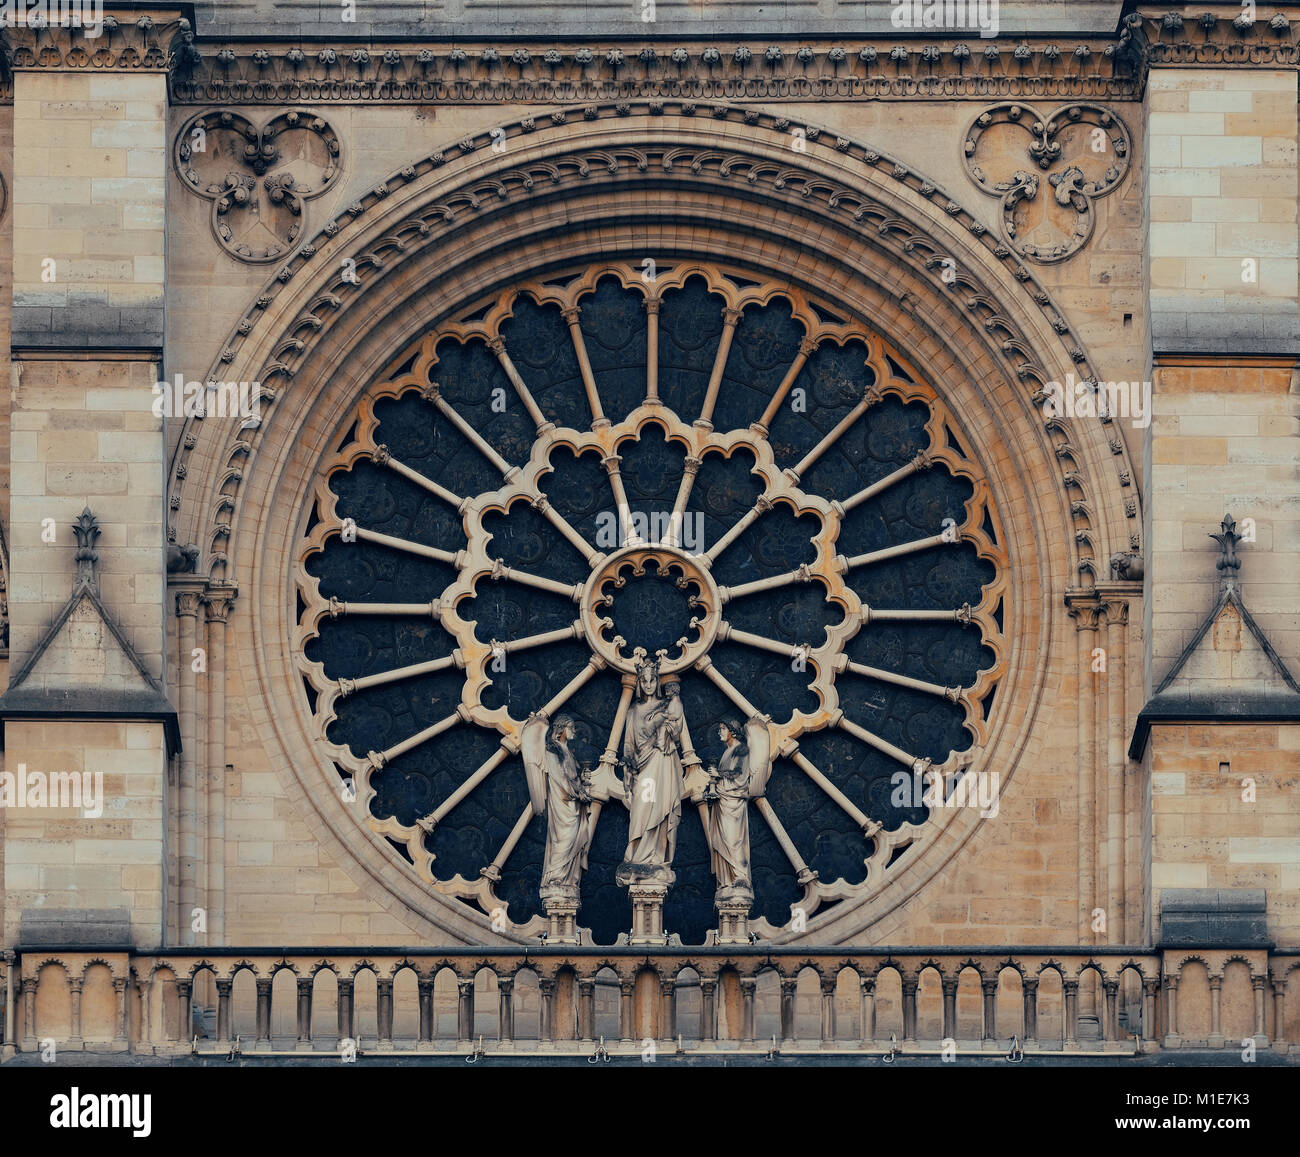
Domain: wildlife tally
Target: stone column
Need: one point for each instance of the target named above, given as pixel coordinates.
(1261, 1037)
(1215, 1040)
(184, 990)
(1029, 995)
(1172, 1039)
(75, 1041)
(789, 998)
(120, 1034)
(989, 987)
(868, 1011)
(384, 1012)
(506, 1009)
(346, 989)
(748, 987)
(218, 602)
(305, 986)
(828, 1011)
(29, 1014)
(264, 984)
(425, 986)
(187, 611)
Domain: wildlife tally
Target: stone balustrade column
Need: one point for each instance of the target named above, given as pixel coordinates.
(789, 997)
(748, 987)
(264, 985)
(305, 986)
(506, 1009)
(989, 987)
(346, 1008)
(425, 985)
(909, 1007)
(1029, 995)
(708, 1007)
(223, 1009)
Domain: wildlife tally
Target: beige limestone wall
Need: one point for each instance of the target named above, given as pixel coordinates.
(89, 201)
(83, 434)
(63, 858)
(1223, 441)
(1206, 835)
(1222, 159)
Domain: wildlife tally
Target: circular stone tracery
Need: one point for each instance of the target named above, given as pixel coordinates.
(849, 569)
(634, 565)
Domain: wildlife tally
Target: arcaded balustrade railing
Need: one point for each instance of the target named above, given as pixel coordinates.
(561, 999)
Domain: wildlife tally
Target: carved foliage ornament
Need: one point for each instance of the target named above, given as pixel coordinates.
(258, 179)
(1048, 171)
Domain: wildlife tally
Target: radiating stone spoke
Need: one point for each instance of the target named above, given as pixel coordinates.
(764, 424)
(901, 549)
(761, 506)
(803, 874)
(725, 685)
(341, 608)
(730, 319)
(433, 394)
(450, 803)
(384, 458)
(384, 758)
(409, 547)
(962, 615)
(874, 740)
(921, 462)
(761, 642)
(351, 686)
(498, 347)
(803, 574)
(571, 315)
(525, 578)
(803, 763)
(493, 870)
(869, 399)
(950, 693)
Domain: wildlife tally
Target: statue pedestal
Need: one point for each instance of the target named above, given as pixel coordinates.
(561, 904)
(733, 922)
(563, 916)
(647, 913)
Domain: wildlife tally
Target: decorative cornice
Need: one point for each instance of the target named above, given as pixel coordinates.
(1200, 35)
(702, 69)
(128, 43)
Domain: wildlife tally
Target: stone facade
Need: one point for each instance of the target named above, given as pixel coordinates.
(1085, 197)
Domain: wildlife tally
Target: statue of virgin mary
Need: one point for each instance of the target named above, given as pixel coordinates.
(652, 770)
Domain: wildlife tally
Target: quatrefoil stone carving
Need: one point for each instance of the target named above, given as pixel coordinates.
(1082, 150)
(258, 179)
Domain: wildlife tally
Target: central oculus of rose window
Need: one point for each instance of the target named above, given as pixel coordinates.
(637, 609)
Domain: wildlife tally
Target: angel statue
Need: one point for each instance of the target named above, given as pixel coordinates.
(557, 791)
(740, 775)
(652, 773)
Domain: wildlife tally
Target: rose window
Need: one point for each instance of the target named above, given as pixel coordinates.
(720, 476)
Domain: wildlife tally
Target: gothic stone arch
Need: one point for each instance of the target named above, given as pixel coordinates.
(618, 184)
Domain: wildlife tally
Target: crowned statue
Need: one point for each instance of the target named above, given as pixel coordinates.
(652, 775)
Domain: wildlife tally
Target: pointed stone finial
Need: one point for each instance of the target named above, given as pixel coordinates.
(1229, 561)
(86, 528)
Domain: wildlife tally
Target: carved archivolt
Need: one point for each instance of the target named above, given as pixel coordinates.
(258, 179)
(1083, 151)
(524, 484)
